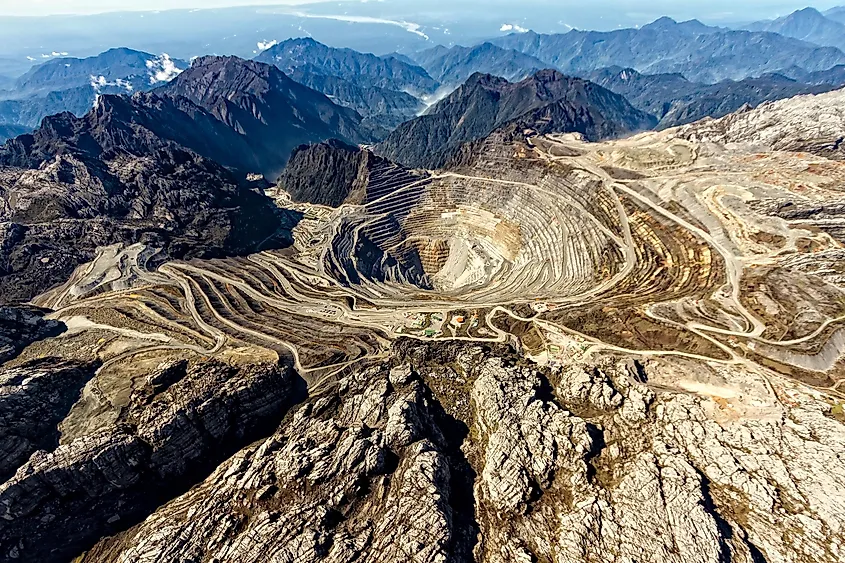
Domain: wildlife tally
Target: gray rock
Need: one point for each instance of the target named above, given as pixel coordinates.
(60, 503)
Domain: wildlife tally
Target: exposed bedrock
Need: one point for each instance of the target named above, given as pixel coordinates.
(463, 453)
(178, 428)
(370, 472)
(21, 326)
(34, 398)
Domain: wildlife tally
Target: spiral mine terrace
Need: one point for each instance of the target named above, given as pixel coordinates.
(653, 246)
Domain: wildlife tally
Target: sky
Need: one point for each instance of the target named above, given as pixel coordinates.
(50, 7)
(708, 8)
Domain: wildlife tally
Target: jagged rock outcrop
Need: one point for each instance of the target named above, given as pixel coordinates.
(334, 173)
(34, 399)
(21, 326)
(122, 174)
(268, 112)
(547, 102)
(583, 462)
(176, 430)
(328, 173)
(814, 124)
(9, 130)
(363, 473)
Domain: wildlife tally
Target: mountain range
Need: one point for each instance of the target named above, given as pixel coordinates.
(674, 100)
(267, 113)
(442, 306)
(807, 25)
(72, 84)
(453, 66)
(701, 53)
(546, 102)
(169, 167)
(387, 90)
(384, 90)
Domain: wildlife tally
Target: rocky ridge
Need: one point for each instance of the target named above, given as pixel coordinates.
(270, 113)
(21, 326)
(177, 428)
(674, 100)
(583, 462)
(547, 102)
(334, 173)
(813, 123)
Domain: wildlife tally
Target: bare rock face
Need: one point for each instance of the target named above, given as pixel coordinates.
(811, 123)
(34, 398)
(363, 474)
(20, 327)
(59, 503)
(639, 476)
(457, 452)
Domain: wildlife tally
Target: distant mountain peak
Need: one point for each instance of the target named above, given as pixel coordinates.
(362, 69)
(546, 102)
(808, 11)
(661, 21)
(807, 24)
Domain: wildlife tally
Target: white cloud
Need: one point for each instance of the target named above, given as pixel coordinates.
(410, 27)
(98, 82)
(512, 27)
(264, 45)
(162, 69)
(54, 54)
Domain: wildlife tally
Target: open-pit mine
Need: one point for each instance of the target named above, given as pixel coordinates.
(654, 246)
(555, 350)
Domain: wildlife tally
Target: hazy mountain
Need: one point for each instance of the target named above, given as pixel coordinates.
(7, 131)
(836, 14)
(380, 107)
(701, 53)
(674, 100)
(456, 65)
(27, 113)
(269, 112)
(808, 25)
(547, 102)
(834, 76)
(71, 84)
(123, 68)
(362, 69)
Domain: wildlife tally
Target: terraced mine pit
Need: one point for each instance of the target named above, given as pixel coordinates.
(551, 351)
(652, 245)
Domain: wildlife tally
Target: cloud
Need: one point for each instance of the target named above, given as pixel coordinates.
(410, 27)
(162, 69)
(264, 45)
(99, 82)
(513, 27)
